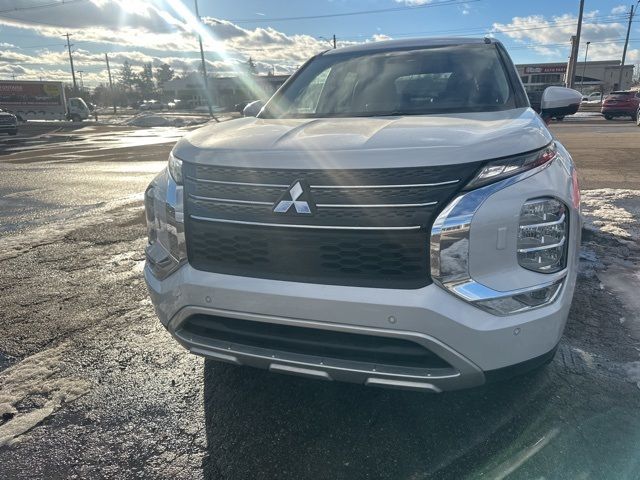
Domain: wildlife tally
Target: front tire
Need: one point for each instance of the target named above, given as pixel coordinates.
(608, 117)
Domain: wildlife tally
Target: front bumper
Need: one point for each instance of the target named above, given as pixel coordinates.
(470, 340)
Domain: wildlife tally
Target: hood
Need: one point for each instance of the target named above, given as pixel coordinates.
(370, 142)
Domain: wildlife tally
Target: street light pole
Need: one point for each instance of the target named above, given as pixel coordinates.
(584, 67)
(207, 95)
(332, 41)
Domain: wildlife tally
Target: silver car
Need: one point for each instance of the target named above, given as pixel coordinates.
(396, 215)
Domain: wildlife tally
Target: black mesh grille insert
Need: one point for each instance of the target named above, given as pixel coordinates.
(311, 341)
(381, 239)
(335, 257)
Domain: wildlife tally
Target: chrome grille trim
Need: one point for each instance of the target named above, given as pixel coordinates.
(384, 205)
(244, 184)
(319, 205)
(312, 227)
(410, 185)
(228, 200)
(326, 187)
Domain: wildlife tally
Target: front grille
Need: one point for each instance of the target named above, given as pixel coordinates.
(370, 227)
(355, 347)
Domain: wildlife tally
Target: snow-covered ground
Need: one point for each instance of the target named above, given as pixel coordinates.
(156, 120)
(612, 211)
(37, 375)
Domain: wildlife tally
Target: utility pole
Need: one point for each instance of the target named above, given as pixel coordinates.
(73, 73)
(204, 67)
(571, 70)
(334, 40)
(584, 67)
(569, 73)
(113, 97)
(626, 44)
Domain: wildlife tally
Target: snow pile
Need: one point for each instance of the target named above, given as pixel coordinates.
(154, 120)
(612, 211)
(159, 120)
(35, 377)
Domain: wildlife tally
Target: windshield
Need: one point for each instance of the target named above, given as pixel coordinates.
(462, 78)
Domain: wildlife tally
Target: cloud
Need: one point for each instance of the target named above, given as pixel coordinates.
(550, 37)
(152, 32)
(10, 56)
(619, 9)
(109, 14)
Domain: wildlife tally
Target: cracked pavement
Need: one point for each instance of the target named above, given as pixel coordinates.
(91, 386)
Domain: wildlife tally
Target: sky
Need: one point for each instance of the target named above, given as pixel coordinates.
(279, 35)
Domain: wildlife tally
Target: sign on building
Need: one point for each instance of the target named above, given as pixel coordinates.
(546, 69)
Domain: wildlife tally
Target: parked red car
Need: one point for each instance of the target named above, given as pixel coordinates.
(621, 104)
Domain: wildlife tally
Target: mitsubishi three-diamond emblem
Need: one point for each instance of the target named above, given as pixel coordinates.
(298, 197)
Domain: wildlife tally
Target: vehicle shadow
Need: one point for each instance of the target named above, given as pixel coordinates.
(263, 425)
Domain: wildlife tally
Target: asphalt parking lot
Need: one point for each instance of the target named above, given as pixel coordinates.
(91, 386)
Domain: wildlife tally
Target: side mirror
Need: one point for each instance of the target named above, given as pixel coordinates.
(559, 102)
(252, 109)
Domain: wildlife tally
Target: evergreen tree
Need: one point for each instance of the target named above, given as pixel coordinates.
(127, 76)
(251, 67)
(145, 80)
(163, 74)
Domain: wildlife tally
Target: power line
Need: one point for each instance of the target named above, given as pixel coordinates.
(606, 19)
(484, 30)
(43, 5)
(442, 3)
(259, 20)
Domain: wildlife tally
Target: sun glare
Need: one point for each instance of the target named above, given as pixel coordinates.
(194, 25)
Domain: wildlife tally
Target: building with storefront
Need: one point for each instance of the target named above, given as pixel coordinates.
(224, 91)
(597, 76)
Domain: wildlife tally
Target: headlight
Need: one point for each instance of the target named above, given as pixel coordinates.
(510, 166)
(542, 235)
(166, 250)
(540, 246)
(175, 168)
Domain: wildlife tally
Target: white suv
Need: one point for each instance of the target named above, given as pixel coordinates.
(396, 215)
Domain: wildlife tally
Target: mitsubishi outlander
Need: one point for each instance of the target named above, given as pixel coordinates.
(395, 215)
